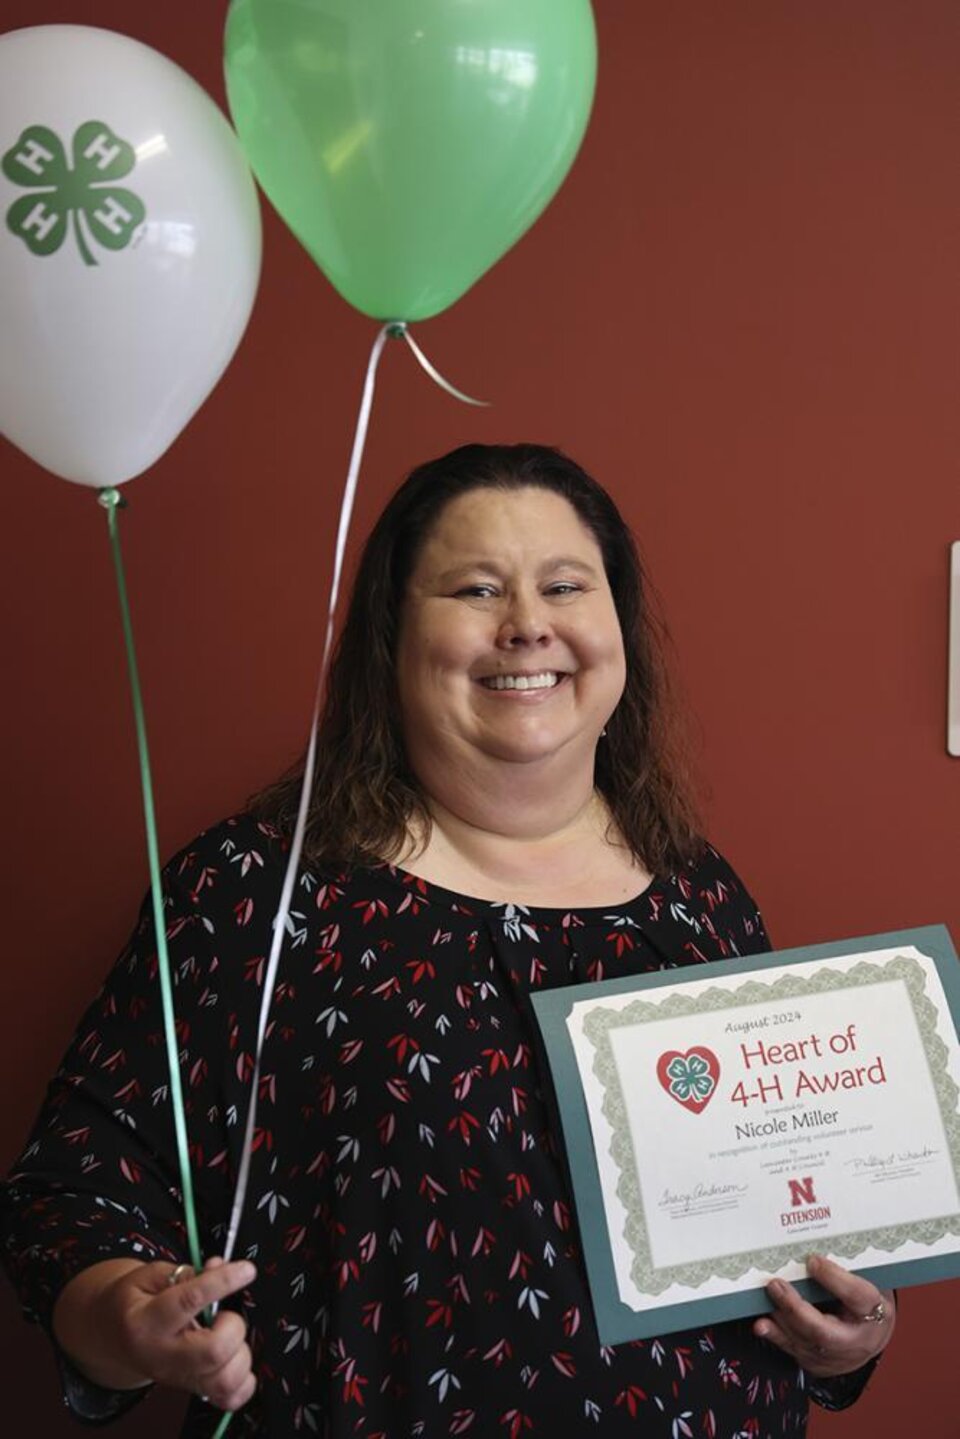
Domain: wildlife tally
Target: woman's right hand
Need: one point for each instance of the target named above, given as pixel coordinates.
(125, 1324)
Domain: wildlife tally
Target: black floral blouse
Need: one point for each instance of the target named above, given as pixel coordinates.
(419, 1266)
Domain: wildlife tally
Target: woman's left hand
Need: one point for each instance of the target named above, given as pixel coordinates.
(840, 1340)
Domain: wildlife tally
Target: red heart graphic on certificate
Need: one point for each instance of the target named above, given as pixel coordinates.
(691, 1078)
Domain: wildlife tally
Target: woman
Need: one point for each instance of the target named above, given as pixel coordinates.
(496, 809)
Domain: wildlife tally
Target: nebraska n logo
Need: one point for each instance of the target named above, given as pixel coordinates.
(801, 1192)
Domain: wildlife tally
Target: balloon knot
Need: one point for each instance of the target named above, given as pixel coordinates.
(111, 499)
(396, 329)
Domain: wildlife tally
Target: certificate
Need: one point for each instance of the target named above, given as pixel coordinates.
(724, 1121)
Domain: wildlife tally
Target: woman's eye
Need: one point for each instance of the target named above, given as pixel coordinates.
(476, 592)
(563, 587)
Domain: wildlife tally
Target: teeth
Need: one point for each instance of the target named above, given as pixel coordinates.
(544, 681)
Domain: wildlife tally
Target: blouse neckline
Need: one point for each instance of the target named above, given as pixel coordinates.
(545, 915)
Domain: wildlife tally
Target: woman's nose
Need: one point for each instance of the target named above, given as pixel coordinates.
(525, 623)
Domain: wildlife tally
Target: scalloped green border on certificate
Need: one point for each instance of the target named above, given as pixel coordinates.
(617, 1322)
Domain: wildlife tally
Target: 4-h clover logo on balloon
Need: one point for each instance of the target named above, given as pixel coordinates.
(107, 212)
(690, 1078)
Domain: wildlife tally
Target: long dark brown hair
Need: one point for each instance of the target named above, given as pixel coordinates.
(365, 798)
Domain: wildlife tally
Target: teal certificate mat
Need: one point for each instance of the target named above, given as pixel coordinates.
(723, 1121)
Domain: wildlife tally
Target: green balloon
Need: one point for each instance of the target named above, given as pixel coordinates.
(409, 143)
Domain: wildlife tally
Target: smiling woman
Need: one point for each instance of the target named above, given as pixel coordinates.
(497, 810)
(509, 654)
(492, 567)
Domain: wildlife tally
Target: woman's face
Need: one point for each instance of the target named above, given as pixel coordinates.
(509, 646)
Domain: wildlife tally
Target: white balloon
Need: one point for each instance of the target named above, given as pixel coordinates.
(129, 250)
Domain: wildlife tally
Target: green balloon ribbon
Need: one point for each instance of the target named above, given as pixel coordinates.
(113, 502)
(409, 143)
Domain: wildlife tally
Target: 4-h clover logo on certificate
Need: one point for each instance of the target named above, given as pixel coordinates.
(690, 1078)
(101, 210)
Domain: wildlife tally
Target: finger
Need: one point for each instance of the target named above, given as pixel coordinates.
(856, 1294)
(863, 1303)
(821, 1343)
(200, 1355)
(768, 1328)
(178, 1304)
(821, 1354)
(197, 1358)
(793, 1324)
(154, 1278)
(801, 1322)
(225, 1386)
(810, 1332)
(209, 1348)
(241, 1396)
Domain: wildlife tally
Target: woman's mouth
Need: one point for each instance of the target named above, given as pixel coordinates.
(541, 680)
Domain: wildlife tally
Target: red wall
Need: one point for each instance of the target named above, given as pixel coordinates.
(742, 314)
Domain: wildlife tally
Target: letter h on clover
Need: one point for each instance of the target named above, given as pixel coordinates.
(100, 209)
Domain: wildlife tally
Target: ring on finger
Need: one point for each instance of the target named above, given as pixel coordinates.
(877, 1314)
(177, 1274)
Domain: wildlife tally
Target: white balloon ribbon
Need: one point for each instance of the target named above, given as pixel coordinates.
(394, 330)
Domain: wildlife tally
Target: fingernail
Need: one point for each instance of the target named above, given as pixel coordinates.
(248, 1272)
(776, 1289)
(762, 1330)
(813, 1263)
